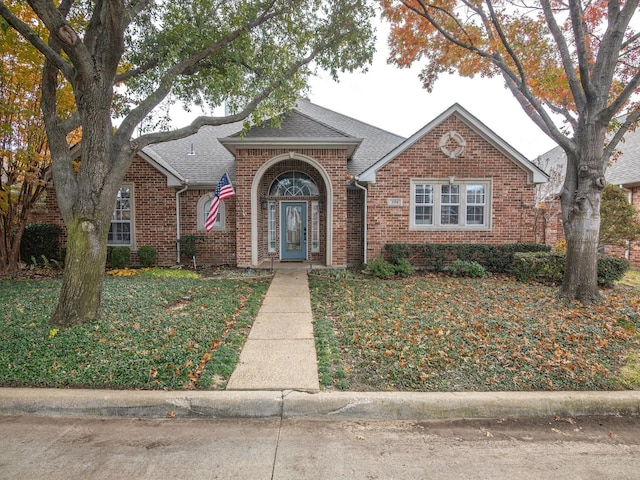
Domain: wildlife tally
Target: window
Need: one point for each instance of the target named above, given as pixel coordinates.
(293, 184)
(272, 228)
(121, 231)
(424, 205)
(450, 205)
(315, 226)
(204, 204)
(476, 199)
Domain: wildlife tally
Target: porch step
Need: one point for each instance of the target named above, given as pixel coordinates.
(280, 351)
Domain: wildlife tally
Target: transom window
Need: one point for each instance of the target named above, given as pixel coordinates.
(293, 184)
(442, 204)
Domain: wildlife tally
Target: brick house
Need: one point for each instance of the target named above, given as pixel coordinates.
(325, 189)
(624, 172)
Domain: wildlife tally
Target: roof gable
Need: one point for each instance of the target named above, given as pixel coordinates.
(534, 174)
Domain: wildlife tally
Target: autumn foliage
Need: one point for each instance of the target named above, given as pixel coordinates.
(572, 66)
(24, 171)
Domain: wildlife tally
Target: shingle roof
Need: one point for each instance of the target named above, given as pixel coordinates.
(201, 158)
(293, 125)
(623, 171)
(626, 169)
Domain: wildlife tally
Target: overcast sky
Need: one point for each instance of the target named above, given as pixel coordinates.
(393, 99)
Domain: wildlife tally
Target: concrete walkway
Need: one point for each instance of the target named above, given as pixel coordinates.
(280, 352)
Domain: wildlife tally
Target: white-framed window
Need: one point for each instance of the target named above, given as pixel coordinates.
(204, 204)
(272, 228)
(459, 204)
(121, 229)
(315, 226)
(423, 208)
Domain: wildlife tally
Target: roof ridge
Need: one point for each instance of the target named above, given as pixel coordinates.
(348, 117)
(326, 125)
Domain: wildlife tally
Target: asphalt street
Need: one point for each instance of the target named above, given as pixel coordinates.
(35, 447)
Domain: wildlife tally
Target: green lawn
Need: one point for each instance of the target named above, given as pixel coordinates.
(438, 333)
(155, 333)
(424, 333)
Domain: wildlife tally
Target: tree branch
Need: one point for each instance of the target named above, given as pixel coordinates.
(127, 127)
(565, 56)
(622, 131)
(161, 137)
(33, 38)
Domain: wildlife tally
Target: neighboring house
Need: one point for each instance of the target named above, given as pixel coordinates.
(624, 171)
(326, 189)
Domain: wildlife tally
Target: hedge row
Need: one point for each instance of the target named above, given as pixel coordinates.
(437, 256)
(549, 268)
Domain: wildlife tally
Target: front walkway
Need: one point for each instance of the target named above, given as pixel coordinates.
(280, 351)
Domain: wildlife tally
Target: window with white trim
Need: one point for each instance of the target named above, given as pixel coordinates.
(450, 205)
(272, 228)
(204, 204)
(121, 229)
(315, 226)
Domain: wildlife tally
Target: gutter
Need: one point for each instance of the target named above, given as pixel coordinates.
(366, 211)
(186, 186)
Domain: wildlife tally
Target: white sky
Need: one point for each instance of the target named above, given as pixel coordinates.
(394, 99)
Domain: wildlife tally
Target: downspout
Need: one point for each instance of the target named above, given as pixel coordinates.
(364, 189)
(186, 185)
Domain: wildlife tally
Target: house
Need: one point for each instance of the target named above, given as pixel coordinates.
(326, 189)
(624, 171)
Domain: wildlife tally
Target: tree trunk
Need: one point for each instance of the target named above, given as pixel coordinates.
(81, 292)
(581, 264)
(580, 198)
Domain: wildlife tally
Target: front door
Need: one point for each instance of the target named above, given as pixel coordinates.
(293, 231)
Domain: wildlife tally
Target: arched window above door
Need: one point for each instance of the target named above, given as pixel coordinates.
(293, 184)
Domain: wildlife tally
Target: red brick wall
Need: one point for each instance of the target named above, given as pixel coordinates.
(248, 161)
(355, 226)
(513, 215)
(155, 218)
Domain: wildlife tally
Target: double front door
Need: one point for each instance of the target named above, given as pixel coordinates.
(293, 230)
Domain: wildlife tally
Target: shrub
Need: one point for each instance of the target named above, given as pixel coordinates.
(40, 240)
(147, 256)
(549, 268)
(463, 268)
(611, 270)
(541, 267)
(188, 245)
(380, 268)
(435, 256)
(403, 267)
(120, 257)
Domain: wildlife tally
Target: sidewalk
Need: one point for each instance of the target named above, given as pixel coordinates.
(280, 352)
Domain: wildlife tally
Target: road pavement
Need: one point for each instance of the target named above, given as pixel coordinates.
(33, 447)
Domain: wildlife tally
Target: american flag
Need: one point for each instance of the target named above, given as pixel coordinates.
(224, 190)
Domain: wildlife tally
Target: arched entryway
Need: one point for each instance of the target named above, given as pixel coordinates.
(291, 211)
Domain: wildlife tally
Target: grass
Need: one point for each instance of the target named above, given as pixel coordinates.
(438, 333)
(632, 278)
(155, 333)
(173, 330)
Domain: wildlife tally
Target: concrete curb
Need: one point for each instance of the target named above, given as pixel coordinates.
(338, 405)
